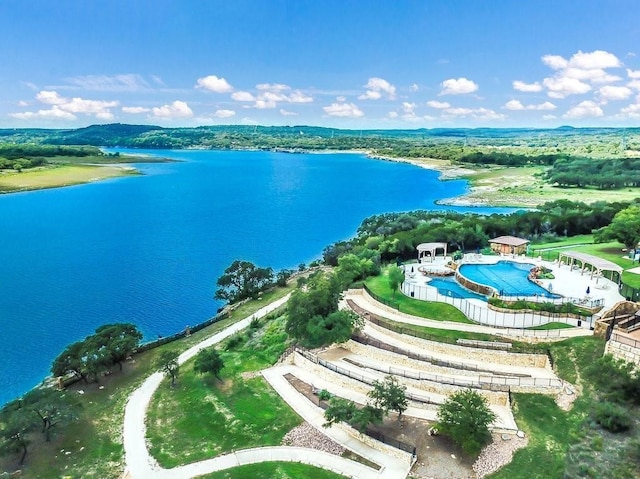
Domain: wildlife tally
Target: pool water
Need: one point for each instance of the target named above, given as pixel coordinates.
(450, 287)
(507, 277)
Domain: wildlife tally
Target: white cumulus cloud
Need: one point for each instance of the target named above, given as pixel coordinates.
(635, 74)
(585, 109)
(50, 97)
(458, 86)
(414, 87)
(242, 96)
(516, 105)
(393, 114)
(561, 87)
(526, 87)
(440, 105)
(631, 111)
(177, 109)
(224, 113)
(55, 113)
(347, 110)
(475, 113)
(376, 87)
(612, 93)
(64, 108)
(273, 87)
(214, 84)
(284, 112)
(135, 109)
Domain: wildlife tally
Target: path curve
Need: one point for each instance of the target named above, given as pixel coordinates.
(139, 464)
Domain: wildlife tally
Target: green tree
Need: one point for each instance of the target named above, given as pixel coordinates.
(395, 278)
(339, 410)
(17, 422)
(53, 408)
(625, 227)
(242, 280)
(465, 417)
(71, 360)
(208, 361)
(389, 395)
(168, 364)
(117, 341)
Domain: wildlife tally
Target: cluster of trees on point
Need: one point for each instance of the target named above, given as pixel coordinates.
(602, 174)
(23, 156)
(41, 411)
(624, 227)
(244, 280)
(111, 344)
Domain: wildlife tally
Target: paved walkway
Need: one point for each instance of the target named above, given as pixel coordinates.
(139, 464)
(362, 299)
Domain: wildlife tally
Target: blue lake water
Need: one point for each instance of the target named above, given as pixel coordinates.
(149, 249)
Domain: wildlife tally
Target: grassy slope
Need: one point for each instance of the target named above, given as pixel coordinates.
(95, 440)
(240, 412)
(274, 470)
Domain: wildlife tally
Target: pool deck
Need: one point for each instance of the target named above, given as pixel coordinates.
(567, 282)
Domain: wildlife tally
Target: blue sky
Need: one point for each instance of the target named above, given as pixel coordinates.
(348, 63)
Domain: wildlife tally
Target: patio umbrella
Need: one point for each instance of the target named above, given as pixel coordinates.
(588, 289)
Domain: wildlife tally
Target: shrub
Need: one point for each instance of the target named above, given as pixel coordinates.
(465, 417)
(612, 417)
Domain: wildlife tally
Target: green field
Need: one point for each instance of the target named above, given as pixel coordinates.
(274, 470)
(239, 412)
(58, 176)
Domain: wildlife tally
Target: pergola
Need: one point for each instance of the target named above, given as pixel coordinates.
(429, 251)
(598, 265)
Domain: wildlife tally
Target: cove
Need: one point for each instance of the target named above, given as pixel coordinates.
(148, 249)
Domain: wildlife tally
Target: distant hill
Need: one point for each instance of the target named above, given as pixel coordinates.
(444, 143)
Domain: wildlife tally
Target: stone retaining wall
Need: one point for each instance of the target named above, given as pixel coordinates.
(462, 353)
(623, 351)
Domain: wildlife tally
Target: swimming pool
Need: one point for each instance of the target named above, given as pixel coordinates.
(450, 287)
(507, 277)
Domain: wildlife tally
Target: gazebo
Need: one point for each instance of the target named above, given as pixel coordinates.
(509, 245)
(428, 251)
(598, 265)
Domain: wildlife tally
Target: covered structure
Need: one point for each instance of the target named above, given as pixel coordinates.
(596, 266)
(509, 245)
(428, 251)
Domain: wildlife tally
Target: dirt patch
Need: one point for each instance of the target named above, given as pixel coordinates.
(334, 354)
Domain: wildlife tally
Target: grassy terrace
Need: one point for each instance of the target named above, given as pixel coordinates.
(95, 440)
(424, 309)
(241, 411)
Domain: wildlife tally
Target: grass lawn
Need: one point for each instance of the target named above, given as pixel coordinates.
(570, 241)
(547, 326)
(424, 309)
(54, 177)
(205, 417)
(274, 470)
(95, 440)
(551, 430)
